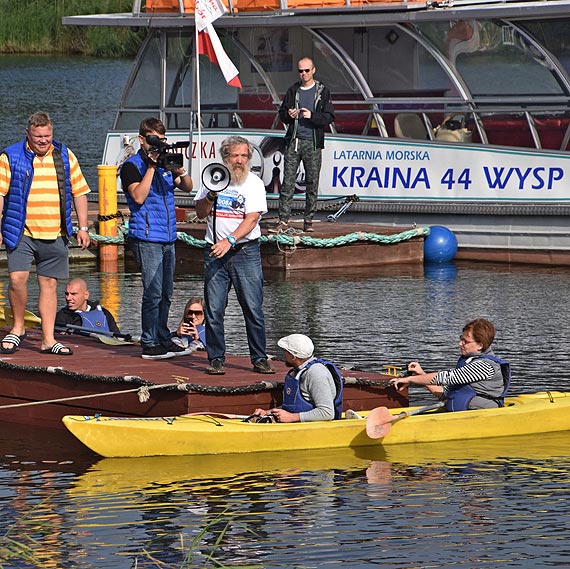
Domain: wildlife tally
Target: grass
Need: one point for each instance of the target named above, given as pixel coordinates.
(34, 27)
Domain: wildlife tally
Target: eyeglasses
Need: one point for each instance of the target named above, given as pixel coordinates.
(463, 340)
(194, 313)
(304, 70)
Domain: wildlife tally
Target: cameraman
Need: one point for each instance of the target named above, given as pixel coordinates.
(149, 190)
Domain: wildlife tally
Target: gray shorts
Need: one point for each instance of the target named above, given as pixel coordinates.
(51, 257)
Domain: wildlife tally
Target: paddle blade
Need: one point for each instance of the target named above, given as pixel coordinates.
(29, 317)
(378, 422)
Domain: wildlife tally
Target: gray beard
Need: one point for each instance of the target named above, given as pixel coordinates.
(239, 176)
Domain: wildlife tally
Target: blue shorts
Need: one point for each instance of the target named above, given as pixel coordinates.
(51, 257)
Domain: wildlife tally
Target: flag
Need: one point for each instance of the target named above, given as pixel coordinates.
(209, 44)
(206, 12)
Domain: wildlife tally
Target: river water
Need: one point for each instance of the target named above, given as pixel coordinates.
(500, 503)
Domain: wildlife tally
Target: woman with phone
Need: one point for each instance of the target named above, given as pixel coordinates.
(191, 332)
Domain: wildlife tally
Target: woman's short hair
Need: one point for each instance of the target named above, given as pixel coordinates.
(483, 331)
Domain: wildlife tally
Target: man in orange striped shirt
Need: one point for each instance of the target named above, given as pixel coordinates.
(40, 180)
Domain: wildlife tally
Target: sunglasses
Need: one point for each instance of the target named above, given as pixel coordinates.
(194, 313)
(304, 70)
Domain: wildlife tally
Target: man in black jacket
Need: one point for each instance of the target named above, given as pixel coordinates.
(307, 108)
(80, 311)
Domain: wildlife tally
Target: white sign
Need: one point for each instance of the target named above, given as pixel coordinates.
(395, 169)
(207, 11)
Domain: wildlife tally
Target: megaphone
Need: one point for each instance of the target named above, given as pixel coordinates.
(216, 177)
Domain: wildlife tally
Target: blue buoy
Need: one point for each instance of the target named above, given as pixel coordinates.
(440, 246)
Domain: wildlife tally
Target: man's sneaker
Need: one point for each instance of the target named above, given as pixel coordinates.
(308, 227)
(173, 347)
(216, 367)
(281, 227)
(262, 366)
(156, 353)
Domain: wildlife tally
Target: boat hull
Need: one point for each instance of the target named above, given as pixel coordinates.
(207, 434)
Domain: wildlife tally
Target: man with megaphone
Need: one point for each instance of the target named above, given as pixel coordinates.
(233, 201)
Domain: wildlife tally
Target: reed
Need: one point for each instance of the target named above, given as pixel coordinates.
(34, 26)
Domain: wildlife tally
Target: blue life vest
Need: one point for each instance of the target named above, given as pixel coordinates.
(293, 400)
(21, 160)
(155, 219)
(94, 319)
(458, 399)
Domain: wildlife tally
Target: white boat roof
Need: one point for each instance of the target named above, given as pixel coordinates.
(352, 15)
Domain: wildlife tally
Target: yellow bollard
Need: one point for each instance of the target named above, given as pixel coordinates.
(108, 252)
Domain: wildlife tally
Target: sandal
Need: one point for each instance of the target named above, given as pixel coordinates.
(13, 339)
(58, 349)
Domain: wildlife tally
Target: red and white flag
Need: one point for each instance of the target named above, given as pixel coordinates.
(209, 44)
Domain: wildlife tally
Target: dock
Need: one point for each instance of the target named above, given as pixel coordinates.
(39, 389)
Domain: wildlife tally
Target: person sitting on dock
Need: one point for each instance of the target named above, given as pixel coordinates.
(480, 380)
(81, 312)
(313, 388)
(232, 257)
(191, 332)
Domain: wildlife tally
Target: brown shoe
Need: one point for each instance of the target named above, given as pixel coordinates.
(308, 227)
(281, 227)
(262, 366)
(216, 367)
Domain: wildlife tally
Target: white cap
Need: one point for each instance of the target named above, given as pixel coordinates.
(299, 345)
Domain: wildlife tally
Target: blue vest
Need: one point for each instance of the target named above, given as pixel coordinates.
(458, 399)
(94, 319)
(16, 202)
(293, 400)
(155, 219)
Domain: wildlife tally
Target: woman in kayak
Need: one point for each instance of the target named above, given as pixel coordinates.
(479, 380)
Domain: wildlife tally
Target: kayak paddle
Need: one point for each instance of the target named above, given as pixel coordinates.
(379, 420)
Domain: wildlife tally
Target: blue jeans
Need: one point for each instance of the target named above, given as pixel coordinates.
(241, 268)
(157, 262)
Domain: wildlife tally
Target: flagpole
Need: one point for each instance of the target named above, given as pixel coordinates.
(198, 105)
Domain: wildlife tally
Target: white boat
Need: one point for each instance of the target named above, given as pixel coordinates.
(500, 179)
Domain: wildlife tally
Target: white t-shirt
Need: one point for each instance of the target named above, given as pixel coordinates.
(234, 203)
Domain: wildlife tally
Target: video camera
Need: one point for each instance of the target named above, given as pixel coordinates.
(167, 158)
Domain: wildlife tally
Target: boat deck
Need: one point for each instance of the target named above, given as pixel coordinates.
(99, 378)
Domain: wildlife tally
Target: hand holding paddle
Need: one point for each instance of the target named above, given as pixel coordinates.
(379, 420)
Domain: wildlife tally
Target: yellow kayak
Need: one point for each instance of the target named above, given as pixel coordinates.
(209, 434)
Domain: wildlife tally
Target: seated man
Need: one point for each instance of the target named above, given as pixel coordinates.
(312, 389)
(80, 311)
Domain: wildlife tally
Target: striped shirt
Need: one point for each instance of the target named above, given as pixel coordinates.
(480, 373)
(43, 219)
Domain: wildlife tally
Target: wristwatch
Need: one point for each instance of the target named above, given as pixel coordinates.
(232, 240)
(84, 229)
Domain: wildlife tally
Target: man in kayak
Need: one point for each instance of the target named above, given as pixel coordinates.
(80, 311)
(232, 257)
(480, 379)
(312, 389)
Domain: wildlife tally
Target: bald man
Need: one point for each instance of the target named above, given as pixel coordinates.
(80, 311)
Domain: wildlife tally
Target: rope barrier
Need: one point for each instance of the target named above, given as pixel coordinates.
(322, 242)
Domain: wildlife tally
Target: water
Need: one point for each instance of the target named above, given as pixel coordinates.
(485, 504)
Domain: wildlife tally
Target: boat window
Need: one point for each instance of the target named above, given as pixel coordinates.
(493, 58)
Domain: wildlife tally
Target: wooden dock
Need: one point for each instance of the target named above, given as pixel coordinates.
(39, 389)
(332, 245)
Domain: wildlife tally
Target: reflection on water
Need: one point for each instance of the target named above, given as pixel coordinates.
(410, 506)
